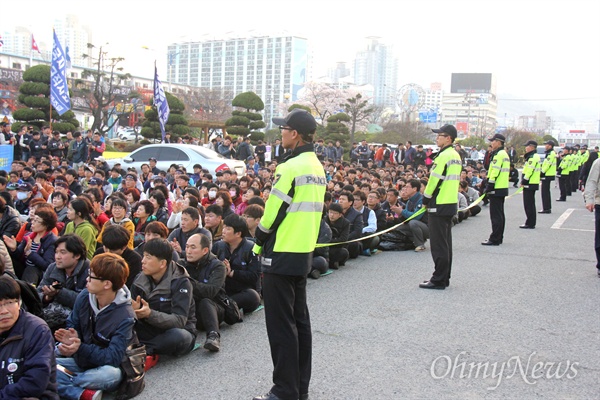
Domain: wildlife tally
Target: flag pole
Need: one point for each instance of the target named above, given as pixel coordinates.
(50, 116)
(31, 52)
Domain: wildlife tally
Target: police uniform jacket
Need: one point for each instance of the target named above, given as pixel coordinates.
(289, 228)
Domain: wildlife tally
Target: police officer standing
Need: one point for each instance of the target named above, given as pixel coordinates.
(530, 182)
(562, 172)
(547, 175)
(497, 189)
(286, 235)
(440, 199)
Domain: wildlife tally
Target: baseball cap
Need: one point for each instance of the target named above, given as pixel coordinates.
(25, 187)
(550, 142)
(497, 136)
(100, 158)
(448, 130)
(61, 184)
(95, 181)
(531, 143)
(152, 159)
(12, 186)
(131, 176)
(298, 119)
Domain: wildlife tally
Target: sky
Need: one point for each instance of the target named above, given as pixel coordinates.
(546, 51)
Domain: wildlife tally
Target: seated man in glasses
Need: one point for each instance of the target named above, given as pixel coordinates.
(98, 332)
(26, 353)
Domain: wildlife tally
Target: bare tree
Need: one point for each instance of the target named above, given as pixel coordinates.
(209, 104)
(103, 89)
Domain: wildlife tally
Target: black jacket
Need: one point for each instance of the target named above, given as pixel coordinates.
(182, 237)
(207, 276)
(339, 231)
(356, 223)
(29, 346)
(10, 223)
(171, 301)
(72, 285)
(243, 262)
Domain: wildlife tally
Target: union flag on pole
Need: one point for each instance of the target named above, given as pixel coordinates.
(34, 45)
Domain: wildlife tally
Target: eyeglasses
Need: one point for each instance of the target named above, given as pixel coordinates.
(94, 277)
(285, 128)
(8, 303)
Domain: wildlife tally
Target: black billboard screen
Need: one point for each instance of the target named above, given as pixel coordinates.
(471, 83)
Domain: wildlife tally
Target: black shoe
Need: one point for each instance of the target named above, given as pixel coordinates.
(431, 285)
(490, 243)
(335, 265)
(561, 199)
(526, 227)
(268, 396)
(213, 341)
(303, 396)
(599, 273)
(545, 212)
(315, 274)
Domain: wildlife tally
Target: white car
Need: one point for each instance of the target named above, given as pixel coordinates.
(129, 136)
(186, 155)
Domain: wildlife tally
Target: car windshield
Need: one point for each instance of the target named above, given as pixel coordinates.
(206, 153)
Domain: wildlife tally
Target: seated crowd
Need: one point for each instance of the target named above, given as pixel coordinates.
(113, 257)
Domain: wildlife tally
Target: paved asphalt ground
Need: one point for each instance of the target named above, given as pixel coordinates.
(376, 335)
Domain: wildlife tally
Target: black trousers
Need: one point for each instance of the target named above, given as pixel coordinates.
(562, 185)
(440, 236)
(546, 196)
(209, 315)
(497, 217)
(529, 205)
(574, 180)
(290, 337)
(248, 299)
(568, 184)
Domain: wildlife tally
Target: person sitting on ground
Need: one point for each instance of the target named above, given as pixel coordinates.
(116, 241)
(32, 256)
(142, 216)
(99, 330)
(369, 223)
(163, 303)
(190, 225)
(155, 230)
(27, 349)
(346, 200)
(513, 175)
(63, 280)
(340, 229)
(252, 214)
(320, 260)
(83, 223)
(158, 200)
(241, 264)
(213, 221)
(412, 201)
(118, 210)
(471, 195)
(208, 276)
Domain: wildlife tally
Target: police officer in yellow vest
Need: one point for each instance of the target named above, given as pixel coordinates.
(530, 181)
(575, 168)
(585, 155)
(548, 174)
(497, 189)
(562, 172)
(440, 199)
(287, 235)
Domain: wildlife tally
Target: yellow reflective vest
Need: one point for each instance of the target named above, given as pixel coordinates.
(499, 173)
(531, 171)
(289, 228)
(549, 166)
(441, 193)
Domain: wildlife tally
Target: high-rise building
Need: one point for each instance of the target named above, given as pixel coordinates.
(272, 67)
(378, 67)
(76, 37)
(337, 74)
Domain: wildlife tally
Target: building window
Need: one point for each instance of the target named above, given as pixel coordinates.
(16, 66)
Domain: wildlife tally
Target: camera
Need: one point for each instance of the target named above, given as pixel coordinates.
(57, 285)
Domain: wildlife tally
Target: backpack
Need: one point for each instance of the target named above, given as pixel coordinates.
(32, 302)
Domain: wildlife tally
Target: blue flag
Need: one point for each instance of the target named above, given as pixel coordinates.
(59, 90)
(160, 101)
